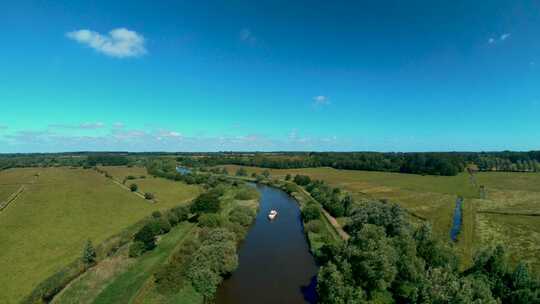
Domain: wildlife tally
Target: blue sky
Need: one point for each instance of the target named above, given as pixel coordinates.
(269, 75)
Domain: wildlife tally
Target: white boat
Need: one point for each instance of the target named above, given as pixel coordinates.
(272, 215)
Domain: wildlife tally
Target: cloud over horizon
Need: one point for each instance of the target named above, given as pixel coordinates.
(82, 126)
(118, 43)
(321, 100)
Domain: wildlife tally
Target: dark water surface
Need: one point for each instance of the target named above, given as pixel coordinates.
(275, 263)
(456, 226)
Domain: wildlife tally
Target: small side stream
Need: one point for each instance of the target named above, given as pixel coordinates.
(456, 226)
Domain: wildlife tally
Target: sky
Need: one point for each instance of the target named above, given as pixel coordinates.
(269, 75)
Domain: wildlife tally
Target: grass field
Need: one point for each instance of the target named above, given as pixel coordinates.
(166, 191)
(433, 198)
(46, 227)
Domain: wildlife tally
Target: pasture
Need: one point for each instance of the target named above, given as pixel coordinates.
(45, 228)
(166, 191)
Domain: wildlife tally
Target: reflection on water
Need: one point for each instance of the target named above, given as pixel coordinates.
(275, 263)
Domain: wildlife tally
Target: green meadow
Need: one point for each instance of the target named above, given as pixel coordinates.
(45, 228)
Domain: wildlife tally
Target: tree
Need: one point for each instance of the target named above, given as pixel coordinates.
(146, 236)
(266, 173)
(287, 177)
(311, 212)
(205, 282)
(332, 287)
(211, 220)
(133, 187)
(347, 203)
(149, 196)
(206, 203)
(373, 259)
(89, 254)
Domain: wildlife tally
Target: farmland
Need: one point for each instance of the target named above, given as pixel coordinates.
(46, 226)
(124, 279)
(433, 198)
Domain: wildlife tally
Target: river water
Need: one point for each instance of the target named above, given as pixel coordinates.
(275, 263)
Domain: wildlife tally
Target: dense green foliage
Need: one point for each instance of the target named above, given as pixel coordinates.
(330, 198)
(207, 202)
(387, 260)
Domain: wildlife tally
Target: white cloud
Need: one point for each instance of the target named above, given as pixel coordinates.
(118, 125)
(247, 36)
(91, 125)
(82, 126)
(321, 100)
(119, 43)
(505, 36)
(501, 38)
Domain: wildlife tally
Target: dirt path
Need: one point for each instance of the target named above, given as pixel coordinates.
(15, 195)
(12, 198)
(344, 235)
(127, 189)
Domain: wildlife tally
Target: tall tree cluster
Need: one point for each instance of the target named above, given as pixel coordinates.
(388, 260)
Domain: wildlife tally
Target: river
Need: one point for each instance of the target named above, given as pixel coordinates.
(275, 263)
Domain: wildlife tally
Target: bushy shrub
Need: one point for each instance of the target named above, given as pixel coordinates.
(136, 249)
(156, 214)
(246, 193)
(242, 215)
(146, 235)
(207, 202)
(172, 218)
(313, 226)
(211, 220)
(164, 225)
(311, 211)
(182, 213)
(133, 187)
(149, 196)
(302, 180)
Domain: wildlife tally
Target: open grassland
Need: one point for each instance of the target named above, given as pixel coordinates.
(166, 191)
(12, 179)
(520, 235)
(46, 227)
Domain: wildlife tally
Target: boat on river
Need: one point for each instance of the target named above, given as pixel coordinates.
(272, 215)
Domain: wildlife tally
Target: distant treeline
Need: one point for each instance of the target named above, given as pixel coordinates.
(432, 163)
